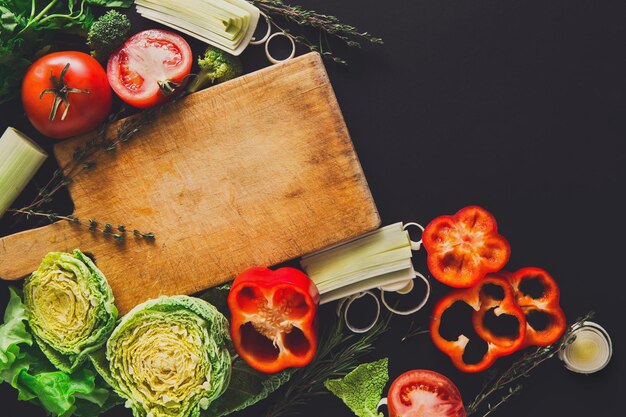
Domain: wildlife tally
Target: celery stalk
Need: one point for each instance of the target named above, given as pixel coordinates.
(20, 158)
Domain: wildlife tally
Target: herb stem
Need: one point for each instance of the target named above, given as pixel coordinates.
(118, 233)
(522, 368)
(65, 16)
(39, 16)
(511, 393)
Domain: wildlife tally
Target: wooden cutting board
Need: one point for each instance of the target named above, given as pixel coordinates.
(254, 171)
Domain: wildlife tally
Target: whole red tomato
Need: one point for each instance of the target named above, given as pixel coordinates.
(66, 94)
(148, 66)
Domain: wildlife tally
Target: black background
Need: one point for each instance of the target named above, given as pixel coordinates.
(517, 106)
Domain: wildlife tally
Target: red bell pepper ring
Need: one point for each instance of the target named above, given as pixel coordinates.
(481, 301)
(463, 248)
(547, 303)
(274, 318)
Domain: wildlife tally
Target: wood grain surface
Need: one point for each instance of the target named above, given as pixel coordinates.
(254, 171)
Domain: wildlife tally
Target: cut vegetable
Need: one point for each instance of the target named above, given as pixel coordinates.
(274, 318)
(590, 351)
(70, 308)
(376, 259)
(424, 393)
(225, 24)
(20, 158)
(168, 357)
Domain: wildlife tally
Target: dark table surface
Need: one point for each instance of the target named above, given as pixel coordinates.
(516, 106)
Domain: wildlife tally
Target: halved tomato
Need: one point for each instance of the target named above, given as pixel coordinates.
(422, 393)
(148, 61)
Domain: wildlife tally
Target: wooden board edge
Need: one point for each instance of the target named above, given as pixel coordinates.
(60, 149)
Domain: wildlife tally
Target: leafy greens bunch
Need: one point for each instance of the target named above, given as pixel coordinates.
(66, 313)
(28, 29)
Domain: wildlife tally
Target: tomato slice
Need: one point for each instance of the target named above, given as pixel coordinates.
(147, 58)
(423, 393)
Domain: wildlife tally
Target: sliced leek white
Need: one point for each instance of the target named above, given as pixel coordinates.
(20, 158)
(225, 24)
(379, 259)
(590, 351)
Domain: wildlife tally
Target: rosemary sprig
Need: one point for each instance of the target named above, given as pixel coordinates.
(327, 25)
(337, 355)
(118, 233)
(521, 368)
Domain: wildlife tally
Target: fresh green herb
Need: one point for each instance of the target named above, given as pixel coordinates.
(117, 233)
(23, 365)
(28, 29)
(107, 33)
(508, 380)
(337, 355)
(215, 66)
(326, 25)
(103, 142)
(362, 389)
(247, 387)
(413, 331)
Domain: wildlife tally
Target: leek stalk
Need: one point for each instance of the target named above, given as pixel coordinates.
(20, 158)
(377, 259)
(225, 24)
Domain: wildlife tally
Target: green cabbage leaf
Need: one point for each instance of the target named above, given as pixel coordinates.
(70, 308)
(247, 387)
(169, 357)
(362, 389)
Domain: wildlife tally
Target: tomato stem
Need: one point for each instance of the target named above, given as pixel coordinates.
(168, 87)
(60, 91)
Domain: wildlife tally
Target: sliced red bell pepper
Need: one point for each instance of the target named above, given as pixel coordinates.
(464, 247)
(545, 302)
(481, 301)
(274, 318)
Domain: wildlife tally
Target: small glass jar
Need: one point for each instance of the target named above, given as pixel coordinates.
(591, 350)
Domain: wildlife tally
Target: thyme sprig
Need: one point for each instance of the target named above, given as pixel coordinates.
(117, 233)
(326, 25)
(338, 354)
(84, 159)
(519, 369)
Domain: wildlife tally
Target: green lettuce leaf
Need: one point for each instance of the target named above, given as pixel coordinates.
(247, 387)
(362, 389)
(13, 335)
(26, 368)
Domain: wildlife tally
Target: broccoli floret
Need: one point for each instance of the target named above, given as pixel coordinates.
(107, 33)
(215, 66)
